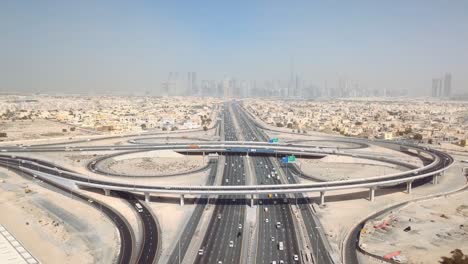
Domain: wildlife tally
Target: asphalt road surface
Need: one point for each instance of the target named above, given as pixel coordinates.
(223, 239)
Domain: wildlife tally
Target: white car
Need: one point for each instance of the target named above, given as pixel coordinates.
(266, 220)
(200, 252)
(231, 243)
(296, 257)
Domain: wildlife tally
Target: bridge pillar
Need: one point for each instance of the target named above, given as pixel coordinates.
(181, 200)
(408, 187)
(435, 179)
(147, 197)
(107, 192)
(372, 194)
(252, 200)
(322, 198)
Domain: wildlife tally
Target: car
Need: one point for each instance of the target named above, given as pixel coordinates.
(200, 251)
(139, 207)
(273, 239)
(231, 243)
(240, 226)
(219, 216)
(296, 257)
(278, 224)
(266, 220)
(281, 262)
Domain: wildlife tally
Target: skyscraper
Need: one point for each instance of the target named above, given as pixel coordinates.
(447, 84)
(194, 86)
(435, 87)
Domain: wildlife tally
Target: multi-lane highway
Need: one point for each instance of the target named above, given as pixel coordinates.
(183, 243)
(277, 239)
(223, 240)
(150, 234)
(317, 241)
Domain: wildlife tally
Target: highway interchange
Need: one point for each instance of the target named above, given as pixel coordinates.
(282, 209)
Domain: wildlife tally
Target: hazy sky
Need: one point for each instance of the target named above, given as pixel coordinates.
(79, 46)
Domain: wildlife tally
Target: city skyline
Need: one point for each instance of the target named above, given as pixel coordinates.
(124, 48)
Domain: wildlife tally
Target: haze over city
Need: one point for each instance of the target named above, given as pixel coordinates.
(242, 132)
(118, 47)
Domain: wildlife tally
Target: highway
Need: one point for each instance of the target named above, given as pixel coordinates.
(150, 235)
(275, 218)
(317, 240)
(183, 243)
(222, 242)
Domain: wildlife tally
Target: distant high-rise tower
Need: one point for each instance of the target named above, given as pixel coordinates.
(435, 87)
(227, 88)
(447, 84)
(193, 85)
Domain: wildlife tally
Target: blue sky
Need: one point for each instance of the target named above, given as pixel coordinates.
(80, 46)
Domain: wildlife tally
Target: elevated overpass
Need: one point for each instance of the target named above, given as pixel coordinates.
(440, 162)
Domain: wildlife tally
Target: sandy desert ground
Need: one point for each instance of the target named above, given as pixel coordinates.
(43, 221)
(153, 163)
(423, 231)
(333, 168)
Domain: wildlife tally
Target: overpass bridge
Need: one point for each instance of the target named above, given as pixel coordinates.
(440, 162)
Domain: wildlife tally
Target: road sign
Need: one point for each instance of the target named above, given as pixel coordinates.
(289, 159)
(273, 140)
